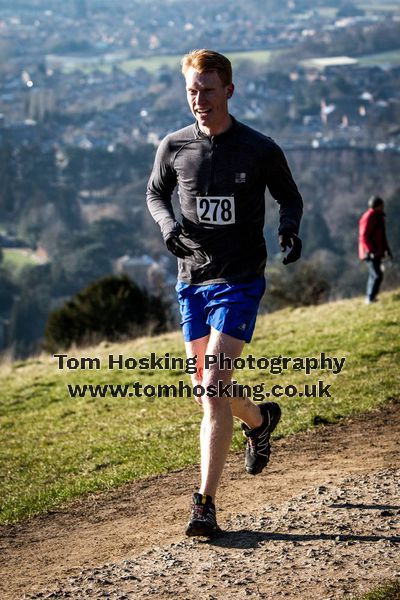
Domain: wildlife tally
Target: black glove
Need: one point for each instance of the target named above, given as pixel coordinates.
(175, 245)
(290, 240)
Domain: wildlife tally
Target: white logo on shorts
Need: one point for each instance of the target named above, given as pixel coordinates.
(242, 326)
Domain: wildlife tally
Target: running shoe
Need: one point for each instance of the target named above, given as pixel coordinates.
(203, 520)
(258, 447)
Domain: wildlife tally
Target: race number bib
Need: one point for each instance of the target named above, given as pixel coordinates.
(216, 210)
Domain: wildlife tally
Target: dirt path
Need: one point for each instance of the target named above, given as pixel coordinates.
(321, 522)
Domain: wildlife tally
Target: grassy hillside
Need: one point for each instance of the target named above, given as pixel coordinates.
(54, 447)
(388, 591)
(381, 58)
(15, 259)
(153, 63)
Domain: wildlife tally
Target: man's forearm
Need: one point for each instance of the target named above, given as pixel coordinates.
(284, 189)
(161, 211)
(160, 188)
(290, 216)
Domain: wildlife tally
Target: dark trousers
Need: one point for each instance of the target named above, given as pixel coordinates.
(375, 276)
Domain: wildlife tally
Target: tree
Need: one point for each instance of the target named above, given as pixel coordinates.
(82, 261)
(116, 236)
(112, 308)
(393, 223)
(349, 10)
(7, 181)
(303, 284)
(27, 320)
(315, 233)
(8, 289)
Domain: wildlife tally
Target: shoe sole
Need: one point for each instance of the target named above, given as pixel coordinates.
(274, 422)
(198, 530)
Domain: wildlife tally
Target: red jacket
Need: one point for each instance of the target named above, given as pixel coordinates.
(372, 234)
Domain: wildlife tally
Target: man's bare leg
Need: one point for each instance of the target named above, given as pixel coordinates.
(215, 440)
(242, 407)
(197, 348)
(217, 426)
(247, 411)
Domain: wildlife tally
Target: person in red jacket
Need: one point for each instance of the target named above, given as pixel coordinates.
(373, 245)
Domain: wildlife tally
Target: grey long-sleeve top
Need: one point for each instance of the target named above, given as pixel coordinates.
(221, 185)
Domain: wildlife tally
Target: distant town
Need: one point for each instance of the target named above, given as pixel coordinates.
(86, 75)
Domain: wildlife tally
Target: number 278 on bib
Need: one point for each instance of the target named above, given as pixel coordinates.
(216, 210)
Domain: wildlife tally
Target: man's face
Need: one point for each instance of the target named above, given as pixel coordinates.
(208, 99)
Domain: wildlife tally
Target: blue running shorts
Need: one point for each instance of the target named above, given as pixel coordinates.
(228, 307)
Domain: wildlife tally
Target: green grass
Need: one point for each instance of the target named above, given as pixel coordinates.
(387, 591)
(327, 12)
(153, 63)
(15, 259)
(260, 57)
(54, 448)
(373, 7)
(382, 58)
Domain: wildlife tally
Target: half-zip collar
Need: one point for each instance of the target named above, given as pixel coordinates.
(221, 136)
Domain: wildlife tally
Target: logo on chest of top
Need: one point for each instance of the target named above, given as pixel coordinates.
(240, 177)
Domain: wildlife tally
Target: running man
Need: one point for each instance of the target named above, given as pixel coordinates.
(222, 168)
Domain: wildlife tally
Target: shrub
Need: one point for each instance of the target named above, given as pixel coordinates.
(303, 284)
(111, 308)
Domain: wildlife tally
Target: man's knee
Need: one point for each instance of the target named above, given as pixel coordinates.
(197, 377)
(215, 377)
(218, 391)
(377, 278)
(215, 406)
